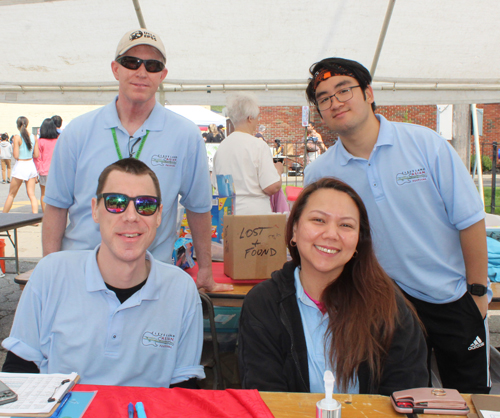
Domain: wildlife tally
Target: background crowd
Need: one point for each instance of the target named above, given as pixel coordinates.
(32, 155)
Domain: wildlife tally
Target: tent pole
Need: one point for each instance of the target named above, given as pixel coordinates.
(142, 23)
(381, 38)
(138, 12)
(478, 151)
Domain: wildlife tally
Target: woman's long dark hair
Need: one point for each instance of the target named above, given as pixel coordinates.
(22, 125)
(48, 130)
(361, 302)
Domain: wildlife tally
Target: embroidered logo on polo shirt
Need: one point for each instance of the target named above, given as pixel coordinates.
(164, 160)
(158, 339)
(411, 176)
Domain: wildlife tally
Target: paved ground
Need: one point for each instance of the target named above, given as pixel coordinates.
(30, 252)
(9, 297)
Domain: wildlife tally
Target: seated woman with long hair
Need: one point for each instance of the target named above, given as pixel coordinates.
(331, 308)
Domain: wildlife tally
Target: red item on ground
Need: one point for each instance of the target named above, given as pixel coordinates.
(219, 276)
(112, 401)
(292, 193)
(2, 254)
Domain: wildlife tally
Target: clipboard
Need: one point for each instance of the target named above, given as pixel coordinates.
(8, 411)
(485, 403)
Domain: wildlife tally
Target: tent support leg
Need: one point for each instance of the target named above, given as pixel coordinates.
(478, 151)
(381, 39)
(138, 12)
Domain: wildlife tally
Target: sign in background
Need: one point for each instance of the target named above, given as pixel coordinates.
(305, 115)
(211, 150)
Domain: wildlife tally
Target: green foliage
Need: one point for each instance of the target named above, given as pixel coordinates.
(217, 109)
(486, 162)
(487, 200)
(406, 117)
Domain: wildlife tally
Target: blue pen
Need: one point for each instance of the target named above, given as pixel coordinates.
(130, 410)
(61, 406)
(139, 407)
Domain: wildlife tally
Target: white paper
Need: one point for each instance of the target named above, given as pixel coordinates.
(34, 390)
(490, 414)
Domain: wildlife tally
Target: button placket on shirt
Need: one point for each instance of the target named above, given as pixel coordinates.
(115, 324)
(373, 178)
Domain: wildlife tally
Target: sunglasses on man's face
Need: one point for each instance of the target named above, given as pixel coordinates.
(118, 203)
(133, 63)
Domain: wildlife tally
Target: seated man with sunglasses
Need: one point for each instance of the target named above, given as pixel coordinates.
(135, 125)
(114, 315)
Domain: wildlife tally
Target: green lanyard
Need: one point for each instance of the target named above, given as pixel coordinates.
(143, 141)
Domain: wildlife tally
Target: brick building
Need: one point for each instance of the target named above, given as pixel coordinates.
(285, 122)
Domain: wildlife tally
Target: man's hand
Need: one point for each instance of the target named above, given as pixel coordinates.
(482, 304)
(201, 230)
(205, 281)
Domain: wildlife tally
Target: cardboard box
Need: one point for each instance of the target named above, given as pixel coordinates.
(254, 246)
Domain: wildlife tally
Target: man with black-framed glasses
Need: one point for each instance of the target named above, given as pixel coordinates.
(426, 214)
(114, 314)
(133, 125)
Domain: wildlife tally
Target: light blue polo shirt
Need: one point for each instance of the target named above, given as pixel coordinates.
(68, 321)
(174, 150)
(419, 195)
(315, 325)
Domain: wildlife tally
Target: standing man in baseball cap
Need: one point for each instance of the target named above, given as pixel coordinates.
(133, 125)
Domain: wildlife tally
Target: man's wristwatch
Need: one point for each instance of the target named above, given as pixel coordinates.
(477, 289)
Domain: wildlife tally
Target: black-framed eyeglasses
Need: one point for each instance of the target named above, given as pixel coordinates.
(118, 203)
(342, 96)
(133, 63)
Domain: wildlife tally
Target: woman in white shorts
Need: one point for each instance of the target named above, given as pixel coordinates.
(25, 148)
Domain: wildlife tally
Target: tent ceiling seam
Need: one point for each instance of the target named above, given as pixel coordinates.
(260, 87)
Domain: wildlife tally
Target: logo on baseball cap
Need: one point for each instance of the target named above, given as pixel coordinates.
(140, 37)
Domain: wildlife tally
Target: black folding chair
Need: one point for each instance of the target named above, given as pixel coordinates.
(210, 356)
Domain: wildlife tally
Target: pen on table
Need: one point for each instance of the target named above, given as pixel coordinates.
(130, 410)
(139, 407)
(61, 406)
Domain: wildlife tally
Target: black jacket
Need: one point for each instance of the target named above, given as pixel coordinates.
(217, 138)
(273, 353)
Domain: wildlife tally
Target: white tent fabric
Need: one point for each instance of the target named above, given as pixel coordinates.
(441, 51)
(200, 115)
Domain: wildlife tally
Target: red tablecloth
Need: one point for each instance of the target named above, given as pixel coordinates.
(112, 402)
(219, 276)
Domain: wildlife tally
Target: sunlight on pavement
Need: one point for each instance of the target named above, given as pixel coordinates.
(16, 205)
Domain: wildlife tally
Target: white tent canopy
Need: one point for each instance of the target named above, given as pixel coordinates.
(434, 51)
(200, 115)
